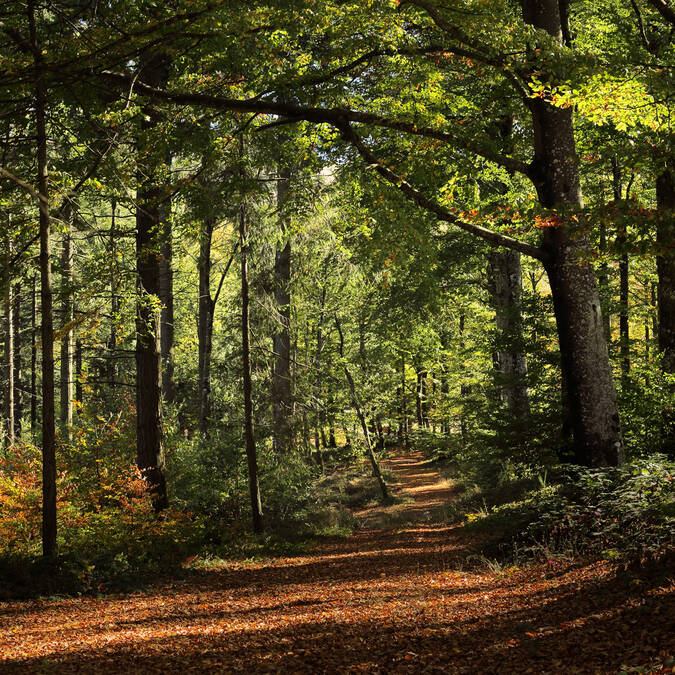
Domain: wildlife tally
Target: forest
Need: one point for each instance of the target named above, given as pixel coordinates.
(337, 336)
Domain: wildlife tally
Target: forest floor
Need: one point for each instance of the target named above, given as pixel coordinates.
(396, 596)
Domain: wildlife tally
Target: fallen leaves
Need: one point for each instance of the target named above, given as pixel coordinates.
(379, 601)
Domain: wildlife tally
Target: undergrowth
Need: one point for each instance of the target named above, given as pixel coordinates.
(528, 510)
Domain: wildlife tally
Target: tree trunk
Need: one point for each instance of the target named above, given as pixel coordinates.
(386, 497)
(79, 373)
(9, 347)
(282, 403)
(114, 307)
(150, 454)
(33, 359)
(47, 330)
(205, 326)
(166, 297)
(665, 261)
(18, 364)
(624, 328)
(585, 361)
(465, 389)
(67, 317)
(511, 363)
(251, 456)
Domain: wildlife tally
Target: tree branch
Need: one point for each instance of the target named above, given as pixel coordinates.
(333, 116)
(495, 238)
(664, 9)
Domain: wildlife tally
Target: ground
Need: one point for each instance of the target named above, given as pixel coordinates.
(386, 599)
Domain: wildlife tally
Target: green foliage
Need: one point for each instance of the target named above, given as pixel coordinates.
(627, 513)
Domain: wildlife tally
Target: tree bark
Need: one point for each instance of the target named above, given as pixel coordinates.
(47, 328)
(9, 348)
(665, 261)
(251, 455)
(624, 327)
(33, 359)
(205, 326)
(386, 497)
(18, 364)
(584, 358)
(282, 403)
(166, 297)
(506, 285)
(67, 316)
(150, 454)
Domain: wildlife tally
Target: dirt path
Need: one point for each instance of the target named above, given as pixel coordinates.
(380, 601)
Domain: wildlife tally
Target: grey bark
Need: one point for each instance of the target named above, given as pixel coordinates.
(585, 363)
(506, 285)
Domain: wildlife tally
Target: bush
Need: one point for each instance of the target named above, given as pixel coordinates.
(625, 513)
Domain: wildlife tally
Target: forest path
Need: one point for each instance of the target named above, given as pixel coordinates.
(380, 601)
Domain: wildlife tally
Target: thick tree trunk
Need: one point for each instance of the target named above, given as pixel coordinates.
(166, 297)
(282, 403)
(67, 316)
(251, 456)
(150, 454)
(585, 362)
(47, 330)
(506, 287)
(18, 364)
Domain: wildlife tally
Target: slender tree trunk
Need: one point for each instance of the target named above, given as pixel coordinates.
(624, 329)
(665, 195)
(114, 304)
(317, 381)
(511, 363)
(603, 286)
(585, 361)
(79, 373)
(47, 330)
(166, 297)
(9, 347)
(18, 364)
(251, 456)
(205, 326)
(282, 403)
(419, 393)
(67, 317)
(150, 454)
(33, 359)
(465, 389)
(665, 264)
(386, 497)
